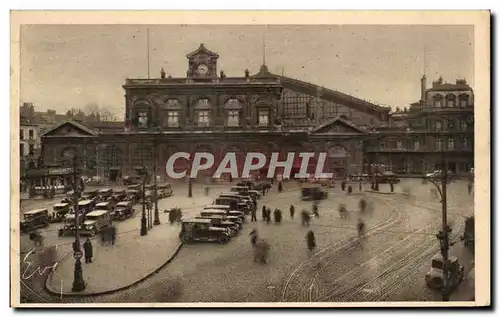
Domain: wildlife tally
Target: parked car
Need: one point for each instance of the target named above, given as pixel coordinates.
(202, 230)
(34, 219)
(221, 213)
(123, 210)
(434, 278)
(220, 221)
(60, 211)
(95, 222)
(468, 236)
(104, 193)
(69, 224)
(90, 194)
(164, 190)
(387, 177)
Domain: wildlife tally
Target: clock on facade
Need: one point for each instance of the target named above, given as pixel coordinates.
(202, 69)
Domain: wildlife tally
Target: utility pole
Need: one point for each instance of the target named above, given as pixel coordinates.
(155, 196)
(190, 183)
(144, 228)
(78, 283)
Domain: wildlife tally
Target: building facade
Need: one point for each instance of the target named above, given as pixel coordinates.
(436, 131)
(210, 112)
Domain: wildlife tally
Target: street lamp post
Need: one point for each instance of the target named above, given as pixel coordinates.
(190, 182)
(443, 235)
(155, 194)
(144, 228)
(78, 283)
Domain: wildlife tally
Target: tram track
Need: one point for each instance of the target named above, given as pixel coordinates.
(321, 259)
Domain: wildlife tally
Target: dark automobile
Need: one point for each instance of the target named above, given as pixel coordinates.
(69, 224)
(133, 196)
(233, 215)
(313, 192)
(90, 194)
(119, 195)
(220, 221)
(131, 180)
(434, 278)
(203, 230)
(164, 190)
(260, 186)
(251, 188)
(468, 236)
(123, 210)
(34, 219)
(241, 199)
(104, 193)
(60, 210)
(387, 177)
(233, 203)
(86, 206)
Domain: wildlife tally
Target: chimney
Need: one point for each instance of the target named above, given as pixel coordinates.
(423, 88)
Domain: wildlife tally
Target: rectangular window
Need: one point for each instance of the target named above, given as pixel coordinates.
(439, 126)
(32, 149)
(463, 125)
(399, 145)
(330, 110)
(203, 119)
(233, 118)
(439, 145)
(463, 103)
(466, 142)
(173, 119)
(451, 143)
(416, 145)
(142, 120)
(437, 103)
(31, 134)
(450, 103)
(21, 134)
(263, 117)
(21, 149)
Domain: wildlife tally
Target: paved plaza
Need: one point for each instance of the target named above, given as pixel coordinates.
(389, 264)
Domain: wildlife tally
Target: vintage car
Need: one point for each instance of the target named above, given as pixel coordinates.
(313, 192)
(60, 211)
(202, 230)
(123, 210)
(242, 198)
(246, 191)
(69, 224)
(260, 186)
(96, 221)
(221, 207)
(386, 178)
(104, 193)
(221, 213)
(34, 219)
(105, 205)
(468, 236)
(131, 180)
(220, 221)
(325, 182)
(86, 206)
(133, 195)
(119, 195)
(164, 190)
(434, 278)
(90, 194)
(233, 203)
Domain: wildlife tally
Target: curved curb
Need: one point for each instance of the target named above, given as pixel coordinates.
(122, 288)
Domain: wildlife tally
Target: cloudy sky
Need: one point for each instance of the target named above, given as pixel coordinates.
(71, 66)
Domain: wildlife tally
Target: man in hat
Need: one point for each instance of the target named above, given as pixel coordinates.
(87, 248)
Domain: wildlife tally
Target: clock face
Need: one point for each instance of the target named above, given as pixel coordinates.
(202, 69)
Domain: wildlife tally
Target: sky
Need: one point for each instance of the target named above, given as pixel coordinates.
(72, 66)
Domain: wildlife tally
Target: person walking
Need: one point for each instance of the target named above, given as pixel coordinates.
(253, 237)
(292, 211)
(264, 212)
(87, 248)
(268, 215)
(113, 235)
(280, 187)
(311, 240)
(254, 215)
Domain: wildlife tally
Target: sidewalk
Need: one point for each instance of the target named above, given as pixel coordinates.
(466, 290)
(132, 258)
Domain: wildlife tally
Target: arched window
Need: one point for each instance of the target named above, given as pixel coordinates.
(451, 101)
(170, 113)
(438, 101)
(202, 112)
(233, 108)
(142, 118)
(464, 100)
